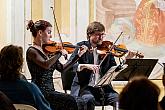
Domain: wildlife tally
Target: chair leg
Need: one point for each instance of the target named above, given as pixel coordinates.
(103, 107)
(116, 106)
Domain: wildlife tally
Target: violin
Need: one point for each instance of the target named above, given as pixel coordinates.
(54, 47)
(116, 50)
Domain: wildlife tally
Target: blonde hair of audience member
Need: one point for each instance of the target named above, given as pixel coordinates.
(139, 94)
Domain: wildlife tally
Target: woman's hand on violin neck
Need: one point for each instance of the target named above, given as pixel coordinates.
(82, 50)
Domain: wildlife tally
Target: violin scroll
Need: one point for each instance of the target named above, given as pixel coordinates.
(132, 54)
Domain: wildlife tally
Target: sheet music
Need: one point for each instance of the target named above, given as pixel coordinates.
(110, 75)
(97, 75)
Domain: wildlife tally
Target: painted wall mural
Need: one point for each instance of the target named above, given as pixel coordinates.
(141, 21)
(149, 22)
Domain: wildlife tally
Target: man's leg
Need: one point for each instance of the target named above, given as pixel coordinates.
(88, 99)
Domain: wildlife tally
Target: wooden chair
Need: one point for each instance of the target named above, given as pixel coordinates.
(24, 107)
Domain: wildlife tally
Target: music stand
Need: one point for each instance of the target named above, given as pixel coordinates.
(136, 67)
(105, 81)
(110, 75)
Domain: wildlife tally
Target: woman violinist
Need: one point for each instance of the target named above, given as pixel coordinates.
(41, 66)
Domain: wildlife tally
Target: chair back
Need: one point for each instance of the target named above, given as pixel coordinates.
(24, 107)
(67, 79)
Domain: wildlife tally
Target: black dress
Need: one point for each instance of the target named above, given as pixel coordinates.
(43, 78)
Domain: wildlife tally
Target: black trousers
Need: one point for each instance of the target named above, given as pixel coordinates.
(99, 96)
(61, 101)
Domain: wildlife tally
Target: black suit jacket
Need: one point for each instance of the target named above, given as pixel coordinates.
(81, 78)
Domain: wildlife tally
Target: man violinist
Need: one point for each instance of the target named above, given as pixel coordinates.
(87, 71)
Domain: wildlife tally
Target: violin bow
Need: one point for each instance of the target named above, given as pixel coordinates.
(58, 31)
(110, 49)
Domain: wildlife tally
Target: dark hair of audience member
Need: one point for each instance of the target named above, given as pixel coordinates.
(139, 94)
(5, 102)
(11, 61)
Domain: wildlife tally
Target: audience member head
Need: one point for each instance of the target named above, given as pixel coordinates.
(11, 61)
(139, 94)
(5, 102)
(38, 25)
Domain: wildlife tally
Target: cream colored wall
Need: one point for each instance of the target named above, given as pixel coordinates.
(65, 16)
(62, 9)
(91, 10)
(62, 14)
(36, 9)
(3, 23)
(58, 12)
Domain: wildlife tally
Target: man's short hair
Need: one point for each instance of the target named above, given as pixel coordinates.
(94, 27)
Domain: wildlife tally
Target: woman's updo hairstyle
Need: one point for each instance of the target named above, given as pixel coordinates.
(38, 25)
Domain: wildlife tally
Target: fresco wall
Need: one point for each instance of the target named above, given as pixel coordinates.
(142, 23)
